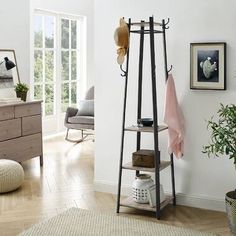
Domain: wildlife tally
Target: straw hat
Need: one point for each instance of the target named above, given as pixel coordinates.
(121, 37)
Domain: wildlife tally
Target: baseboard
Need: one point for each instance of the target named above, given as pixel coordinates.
(203, 202)
(107, 187)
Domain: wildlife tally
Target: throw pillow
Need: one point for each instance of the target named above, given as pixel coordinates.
(86, 108)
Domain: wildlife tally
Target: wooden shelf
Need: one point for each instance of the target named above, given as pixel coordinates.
(129, 166)
(129, 202)
(145, 23)
(148, 129)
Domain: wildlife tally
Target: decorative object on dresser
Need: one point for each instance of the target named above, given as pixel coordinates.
(143, 158)
(21, 131)
(4, 101)
(21, 91)
(11, 175)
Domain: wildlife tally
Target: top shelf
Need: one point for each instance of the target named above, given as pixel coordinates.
(147, 129)
(146, 31)
(145, 23)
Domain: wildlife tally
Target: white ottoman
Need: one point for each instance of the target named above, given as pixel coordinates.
(11, 175)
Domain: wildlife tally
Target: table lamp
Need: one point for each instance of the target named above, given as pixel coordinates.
(9, 64)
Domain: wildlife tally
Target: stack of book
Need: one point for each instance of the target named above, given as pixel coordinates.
(9, 100)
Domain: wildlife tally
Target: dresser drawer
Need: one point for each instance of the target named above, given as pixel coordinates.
(21, 149)
(10, 129)
(6, 113)
(31, 125)
(27, 110)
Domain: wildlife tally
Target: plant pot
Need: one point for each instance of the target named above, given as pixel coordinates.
(230, 202)
(18, 94)
(23, 96)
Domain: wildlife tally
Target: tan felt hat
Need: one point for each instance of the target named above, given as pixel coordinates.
(121, 37)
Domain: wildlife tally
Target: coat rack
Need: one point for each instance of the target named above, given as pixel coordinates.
(146, 28)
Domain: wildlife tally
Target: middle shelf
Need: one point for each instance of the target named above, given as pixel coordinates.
(129, 166)
(148, 129)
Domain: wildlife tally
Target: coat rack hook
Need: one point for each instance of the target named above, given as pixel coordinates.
(171, 67)
(166, 23)
(124, 72)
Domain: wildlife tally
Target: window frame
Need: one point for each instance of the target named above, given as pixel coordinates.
(57, 49)
(44, 49)
(70, 50)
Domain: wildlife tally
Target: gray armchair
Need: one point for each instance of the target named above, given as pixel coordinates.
(81, 118)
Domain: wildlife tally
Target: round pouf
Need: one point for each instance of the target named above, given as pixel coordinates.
(11, 175)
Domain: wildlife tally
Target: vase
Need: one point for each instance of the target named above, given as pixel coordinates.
(23, 96)
(140, 188)
(230, 202)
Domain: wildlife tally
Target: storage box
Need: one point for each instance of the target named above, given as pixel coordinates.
(143, 158)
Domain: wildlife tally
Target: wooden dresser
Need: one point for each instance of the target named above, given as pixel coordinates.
(21, 131)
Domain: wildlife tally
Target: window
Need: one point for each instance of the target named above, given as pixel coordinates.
(69, 63)
(57, 61)
(44, 62)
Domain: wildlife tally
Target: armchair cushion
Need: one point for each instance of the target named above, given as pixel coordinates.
(71, 111)
(86, 108)
(88, 120)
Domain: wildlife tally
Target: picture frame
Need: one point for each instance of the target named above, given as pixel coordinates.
(9, 77)
(208, 66)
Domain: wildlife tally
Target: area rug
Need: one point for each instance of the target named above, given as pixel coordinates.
(75, 222)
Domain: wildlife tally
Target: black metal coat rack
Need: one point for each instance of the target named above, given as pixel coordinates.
(151, 28)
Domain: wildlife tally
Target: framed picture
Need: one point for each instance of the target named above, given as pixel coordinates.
(9, 75)
(208, 66)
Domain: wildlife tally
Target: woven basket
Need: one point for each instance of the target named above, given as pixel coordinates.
(231, 211)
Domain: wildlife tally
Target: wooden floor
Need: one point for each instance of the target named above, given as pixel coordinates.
(66, 180)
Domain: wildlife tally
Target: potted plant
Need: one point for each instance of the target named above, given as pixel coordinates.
(223, 142)
(21, 90)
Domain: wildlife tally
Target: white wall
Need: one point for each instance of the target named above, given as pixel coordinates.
(15, 34)
(200, 181)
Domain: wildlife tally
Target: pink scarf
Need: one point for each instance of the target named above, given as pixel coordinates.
(173, 117)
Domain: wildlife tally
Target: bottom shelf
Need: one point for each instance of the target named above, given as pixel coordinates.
(129, 202)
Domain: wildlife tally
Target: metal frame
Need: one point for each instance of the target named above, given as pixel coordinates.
(83, 135)
(123, 126)
(151, 32)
